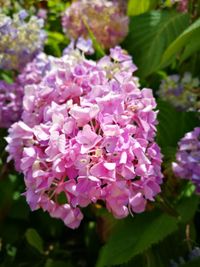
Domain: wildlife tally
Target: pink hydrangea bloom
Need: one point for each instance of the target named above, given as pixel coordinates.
(106, 19)
(188, 158)
(87, 131)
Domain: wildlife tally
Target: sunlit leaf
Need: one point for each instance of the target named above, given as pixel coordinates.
(136, 7)
(149, 36)
(188, 39)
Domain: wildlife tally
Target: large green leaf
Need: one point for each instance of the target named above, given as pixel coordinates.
(188, 39)
(136, 7)
(133, 236)
(149, 36)
(171, 128)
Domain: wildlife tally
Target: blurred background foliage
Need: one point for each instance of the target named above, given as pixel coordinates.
(162, 41)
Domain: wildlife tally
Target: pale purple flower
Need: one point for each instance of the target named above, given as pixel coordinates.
(21, 40)
(85, 45)
(181, 91)
(187, 163)
(42, 13)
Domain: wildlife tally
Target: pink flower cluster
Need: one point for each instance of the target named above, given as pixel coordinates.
(106, 19)
(188, 158)
(87, 133)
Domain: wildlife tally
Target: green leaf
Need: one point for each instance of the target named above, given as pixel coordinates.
(187, 40)
(34, 239)
(57, 6)
(190, 48)
(149, 36)
(57, 36)
(187, 208)
(136, 7)
(168, 3)
(172, 125)
(55, 42)
(7, 78)
(53, 47)
(133, 236)
(11, 250)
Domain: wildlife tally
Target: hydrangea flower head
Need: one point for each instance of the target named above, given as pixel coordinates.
(87, 132)
(181, 92)
(10, 103)
(106, 20)
(187, 163)
(20, 39)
